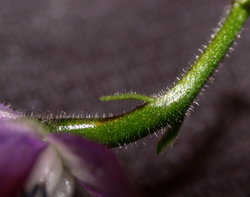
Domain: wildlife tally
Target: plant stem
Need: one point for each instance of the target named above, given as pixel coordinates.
(170, 106)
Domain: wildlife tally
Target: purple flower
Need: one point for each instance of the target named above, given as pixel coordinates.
(35, 163)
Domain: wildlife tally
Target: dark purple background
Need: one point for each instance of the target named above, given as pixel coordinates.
(62, 55)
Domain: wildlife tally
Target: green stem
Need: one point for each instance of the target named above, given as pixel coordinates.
(127, 96)
(164, 109)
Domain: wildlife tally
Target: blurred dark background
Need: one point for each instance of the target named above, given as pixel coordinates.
(60, 55)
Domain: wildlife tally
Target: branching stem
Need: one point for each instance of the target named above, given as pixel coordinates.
(167, 108)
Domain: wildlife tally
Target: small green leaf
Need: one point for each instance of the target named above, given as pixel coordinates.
(169, 135)
(134, 96)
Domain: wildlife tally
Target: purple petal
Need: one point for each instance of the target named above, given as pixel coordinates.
(19, 149)
(7, 114)
(94, 166)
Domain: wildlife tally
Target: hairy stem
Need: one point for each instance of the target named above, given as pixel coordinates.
(167, 108)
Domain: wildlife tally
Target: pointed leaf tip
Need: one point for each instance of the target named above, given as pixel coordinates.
(169, 135)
